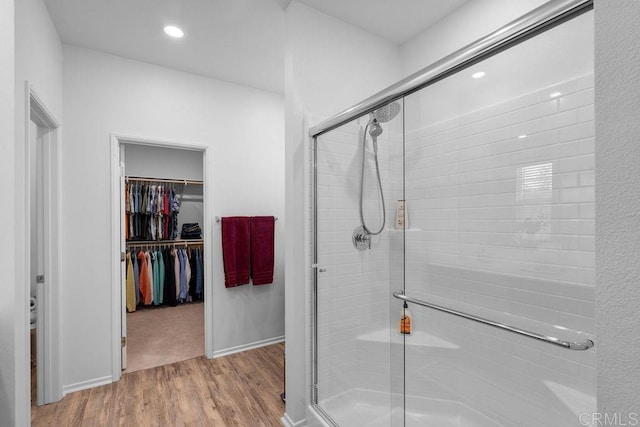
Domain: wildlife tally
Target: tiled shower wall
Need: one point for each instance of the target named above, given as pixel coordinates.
(501, 208)
(353, 285)
(501, 213)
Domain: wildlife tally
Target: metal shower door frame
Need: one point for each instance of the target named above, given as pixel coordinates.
(539, 20)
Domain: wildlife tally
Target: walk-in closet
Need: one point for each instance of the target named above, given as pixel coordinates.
(163, 214)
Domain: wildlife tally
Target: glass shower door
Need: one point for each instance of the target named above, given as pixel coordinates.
(500, 192)
(359, 354)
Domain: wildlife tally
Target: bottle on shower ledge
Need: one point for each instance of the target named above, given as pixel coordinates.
(405, 320)
(402, 222)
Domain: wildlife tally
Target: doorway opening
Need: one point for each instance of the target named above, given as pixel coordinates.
(162, 308)
(42, 177)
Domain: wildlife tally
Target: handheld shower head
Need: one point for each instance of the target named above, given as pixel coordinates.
(386, 113)
(375, 130)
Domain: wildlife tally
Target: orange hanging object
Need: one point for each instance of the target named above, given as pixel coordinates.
(405, 321)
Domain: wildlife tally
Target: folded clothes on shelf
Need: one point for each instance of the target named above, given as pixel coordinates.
(191, 230)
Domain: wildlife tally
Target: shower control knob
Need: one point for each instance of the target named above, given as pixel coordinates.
(361, 239)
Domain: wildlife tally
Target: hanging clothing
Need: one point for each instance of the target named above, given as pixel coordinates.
(199, 273)
(130, 287)
(192, 268)
(144, 277)
(149, 297)
(156, 277)
(163, 276)
(183, 275)
(170, 295)
(136, 276)
(176, 260)
(151, 211)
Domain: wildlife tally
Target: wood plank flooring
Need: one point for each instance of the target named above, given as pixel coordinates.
(242, 389)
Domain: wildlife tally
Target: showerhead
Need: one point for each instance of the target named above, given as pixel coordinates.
(386, 113)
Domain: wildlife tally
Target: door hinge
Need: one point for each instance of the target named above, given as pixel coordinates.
(40, 278)
(123, 342)
(123, 257)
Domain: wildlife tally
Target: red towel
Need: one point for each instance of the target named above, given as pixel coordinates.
(262, 249)
(236, 247)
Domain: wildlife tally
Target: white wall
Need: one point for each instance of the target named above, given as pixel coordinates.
(618, 206)
(39, 60)
(243, 127)
(465, 25)
(159, 162)
(8, 306)
(329, 65)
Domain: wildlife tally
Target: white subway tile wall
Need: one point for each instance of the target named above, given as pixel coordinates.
(501, 204)
(353, 285)
(501, 215)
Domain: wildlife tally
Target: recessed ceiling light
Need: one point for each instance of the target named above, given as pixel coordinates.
(555, 94)
(173, 32)
(522, 136)
(478, 75)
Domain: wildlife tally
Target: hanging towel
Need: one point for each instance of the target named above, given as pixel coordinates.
(262, 249)
(236, 247)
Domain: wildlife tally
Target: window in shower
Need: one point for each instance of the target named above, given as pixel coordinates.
(534, 200)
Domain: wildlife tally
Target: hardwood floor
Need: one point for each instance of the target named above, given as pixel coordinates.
(242, 389)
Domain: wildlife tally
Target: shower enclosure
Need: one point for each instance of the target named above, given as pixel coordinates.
(491, 150)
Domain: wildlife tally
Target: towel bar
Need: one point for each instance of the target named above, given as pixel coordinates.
(570, 345)
(218, 218)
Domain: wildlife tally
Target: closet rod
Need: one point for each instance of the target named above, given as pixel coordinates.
(218, 218)
(183, 242)
(174, 181)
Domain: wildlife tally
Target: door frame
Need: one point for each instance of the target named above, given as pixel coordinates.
(48, 324)
(117, 140)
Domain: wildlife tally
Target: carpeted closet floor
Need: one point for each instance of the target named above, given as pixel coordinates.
(164, 335)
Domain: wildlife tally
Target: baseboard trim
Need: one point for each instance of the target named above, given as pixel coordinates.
(286, 421)
(83, 385)
(245, 347)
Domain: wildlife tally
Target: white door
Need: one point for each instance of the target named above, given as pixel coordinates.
(123, 265)
(37, 245)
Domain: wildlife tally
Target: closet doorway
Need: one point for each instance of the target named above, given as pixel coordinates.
(162, 276)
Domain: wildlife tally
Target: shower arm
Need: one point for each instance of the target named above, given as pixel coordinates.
(570, 345)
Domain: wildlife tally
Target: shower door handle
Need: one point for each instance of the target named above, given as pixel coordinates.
(317, 267)
(570, 345)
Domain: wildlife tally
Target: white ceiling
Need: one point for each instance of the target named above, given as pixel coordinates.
(396, 21)
(240, 41)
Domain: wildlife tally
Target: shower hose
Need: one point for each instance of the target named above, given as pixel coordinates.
(375, 152)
